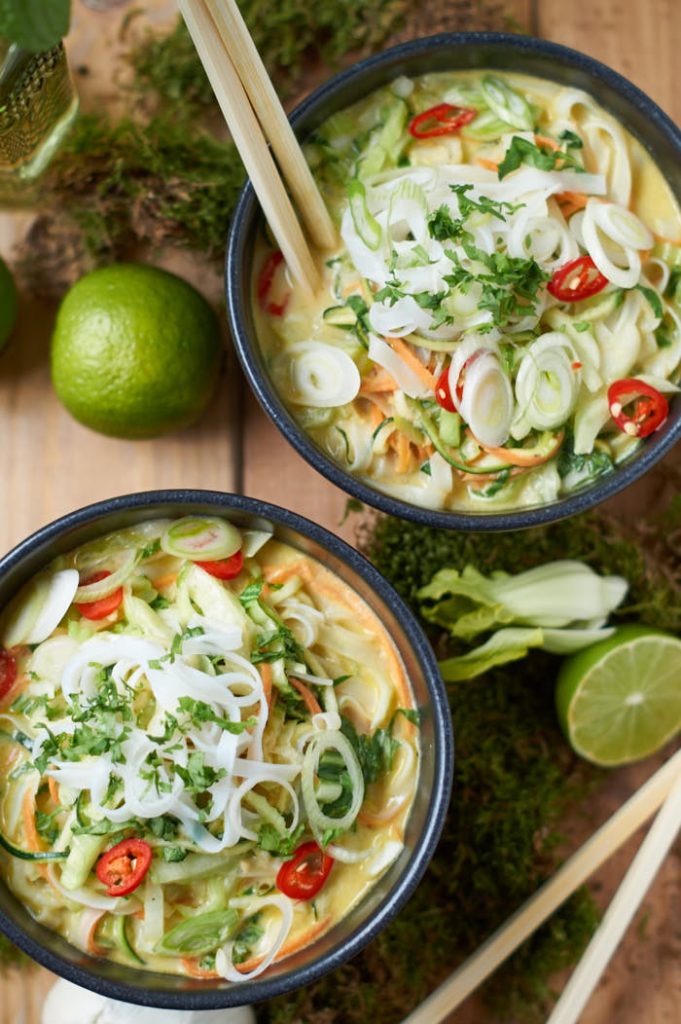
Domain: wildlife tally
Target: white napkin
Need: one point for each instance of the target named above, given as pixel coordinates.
(69, 1004)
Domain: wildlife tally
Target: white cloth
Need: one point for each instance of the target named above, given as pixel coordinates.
(69, 1004)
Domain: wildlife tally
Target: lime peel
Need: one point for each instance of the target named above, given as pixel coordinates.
(620, 700)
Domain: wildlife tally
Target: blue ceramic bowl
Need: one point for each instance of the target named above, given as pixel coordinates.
(371, 915)
(448, 52)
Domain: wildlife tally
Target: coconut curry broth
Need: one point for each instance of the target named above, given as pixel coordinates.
(349, 645)
(285, 318)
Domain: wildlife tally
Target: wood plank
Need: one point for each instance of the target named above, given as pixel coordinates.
(54, 465)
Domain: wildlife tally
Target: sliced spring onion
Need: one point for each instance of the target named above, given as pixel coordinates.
(115, 579)
(487, 403)
(318, 820)
(547, 384)
(506, 103)
(39, 608)
(201, 538)
(224, 964)
(201, 934)
(366, 225)
(322, 375)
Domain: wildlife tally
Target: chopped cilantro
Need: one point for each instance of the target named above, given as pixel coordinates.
(522, 151)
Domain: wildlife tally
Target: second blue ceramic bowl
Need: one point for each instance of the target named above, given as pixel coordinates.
(461, 51)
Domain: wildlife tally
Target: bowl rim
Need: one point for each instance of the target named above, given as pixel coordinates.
(604, 487)
(443, 760)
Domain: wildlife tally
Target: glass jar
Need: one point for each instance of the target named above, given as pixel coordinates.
(38, 102)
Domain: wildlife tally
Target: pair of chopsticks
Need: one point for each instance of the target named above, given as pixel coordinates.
(663, 790)
(254, 114)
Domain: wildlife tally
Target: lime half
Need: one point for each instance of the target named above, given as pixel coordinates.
(620, 700)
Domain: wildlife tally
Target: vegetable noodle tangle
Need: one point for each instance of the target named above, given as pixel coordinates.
(502, 322)
(209, 748)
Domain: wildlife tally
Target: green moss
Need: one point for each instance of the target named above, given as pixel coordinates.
(288, 35)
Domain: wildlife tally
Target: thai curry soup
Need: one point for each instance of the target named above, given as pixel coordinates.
(209, 748)
(500, 324)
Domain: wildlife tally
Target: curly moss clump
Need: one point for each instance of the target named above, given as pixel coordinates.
(155, 183)
(288, 35)
(410, 555)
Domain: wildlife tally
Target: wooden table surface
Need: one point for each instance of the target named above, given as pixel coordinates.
(50, 465)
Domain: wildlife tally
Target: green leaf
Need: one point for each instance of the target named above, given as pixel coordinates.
(35, 25)
(653, 298)
(503, 646)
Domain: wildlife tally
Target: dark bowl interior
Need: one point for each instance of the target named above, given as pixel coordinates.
(448, 52)
(391, 892)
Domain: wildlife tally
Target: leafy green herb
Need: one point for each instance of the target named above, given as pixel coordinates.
(173, 854)
(483, 204)
(276, 844)
(653, 298)
(250, 932)
(375, 752)
(199, 712)
(522, 151)
(198, 776)
(509, 288)
(47, 826)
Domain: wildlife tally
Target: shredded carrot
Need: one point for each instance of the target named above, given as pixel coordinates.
(544, 140)
(33, 840)
(489, 165)
(92, 947)
(311, 702)
(54, 790)
(408, 357)
(266, 675)
(403, 452)
(283, 573)
(666, 241)
(576, 199)
(165, 581)
(376, 416)
(377, 380)
(424, 451)
(191, 966)
(518, 457)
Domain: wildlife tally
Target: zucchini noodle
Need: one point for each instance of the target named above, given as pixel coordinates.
(216, 725)
(466, 247)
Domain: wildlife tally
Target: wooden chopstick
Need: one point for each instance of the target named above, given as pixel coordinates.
(248, 63)
(619, 914)
(580, 866)
(250, 142)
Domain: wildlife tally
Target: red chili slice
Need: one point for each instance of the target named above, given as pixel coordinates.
(224, 568)
(8, 673)
(637, 408)
(443, 119)
(578, 279)
(443, 395)
(265, 285)
(123, 868)
(303, 876)
(106, 605)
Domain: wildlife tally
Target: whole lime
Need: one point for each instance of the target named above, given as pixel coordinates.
(135, 351)
(8, 304)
